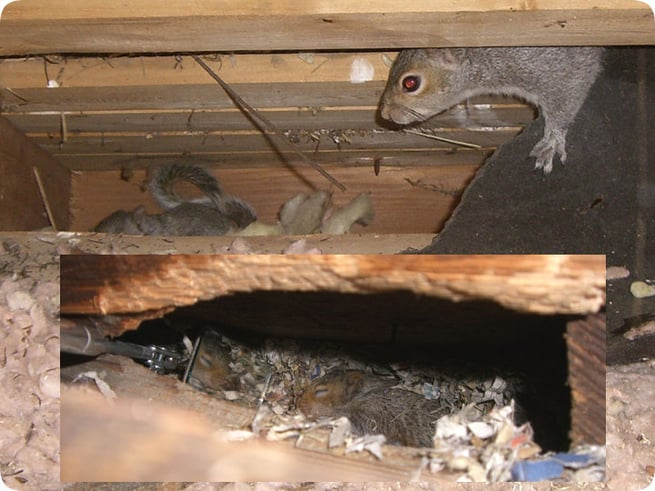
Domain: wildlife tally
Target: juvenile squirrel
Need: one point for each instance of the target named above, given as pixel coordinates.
(216, 213)
(162, 188)
(373, 405)
(426, 82)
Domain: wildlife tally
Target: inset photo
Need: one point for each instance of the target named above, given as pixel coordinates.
(353, 368)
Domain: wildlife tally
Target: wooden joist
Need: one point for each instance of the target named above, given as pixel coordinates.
(35, 188)
(130, 284)
(93, 26)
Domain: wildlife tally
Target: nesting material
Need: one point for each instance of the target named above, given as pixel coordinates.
(474, 434)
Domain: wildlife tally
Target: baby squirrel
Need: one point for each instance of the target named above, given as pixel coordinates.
(216, 213)
(426, 82)
(373, 405)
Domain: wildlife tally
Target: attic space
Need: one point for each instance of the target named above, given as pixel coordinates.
(102, 123)
(93, 100)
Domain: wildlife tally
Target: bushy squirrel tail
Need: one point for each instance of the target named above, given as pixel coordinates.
(162, 180)
(161, 184)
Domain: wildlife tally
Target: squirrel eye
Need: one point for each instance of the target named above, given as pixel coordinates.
(411, 83)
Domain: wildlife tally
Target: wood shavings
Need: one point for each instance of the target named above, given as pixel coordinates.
(369, 443)
(102, 386)
(236, 435)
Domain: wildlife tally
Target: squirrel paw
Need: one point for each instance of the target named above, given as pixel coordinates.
(553, 143)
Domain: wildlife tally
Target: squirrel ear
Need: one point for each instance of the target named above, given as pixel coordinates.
(354, 381)
(446, 57)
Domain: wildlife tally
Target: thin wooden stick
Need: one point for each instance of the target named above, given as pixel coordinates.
(44, 198)
(264, 123)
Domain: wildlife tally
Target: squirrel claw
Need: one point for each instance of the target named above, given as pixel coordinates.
(553, 143)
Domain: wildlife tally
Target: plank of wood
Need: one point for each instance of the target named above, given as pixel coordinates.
(87, 9)
(233, 142)
(207, 96)
(128, 71)
(405, 199)
(586, 347)
(314, 97)
(389, 158)
(94, 243)
(537, 284)
(159, 429)
(95, 28)
(25, 198)
(485, 113)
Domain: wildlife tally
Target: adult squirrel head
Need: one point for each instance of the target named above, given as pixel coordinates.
(556, 81)
(422, 83)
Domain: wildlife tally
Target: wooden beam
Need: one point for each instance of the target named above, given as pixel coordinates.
(131, 284)
(38, 27)
(327, 118)
(33, 185)
(233, 142)
(586, 347)
(167, 70)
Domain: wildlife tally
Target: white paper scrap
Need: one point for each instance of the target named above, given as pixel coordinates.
(361, 70)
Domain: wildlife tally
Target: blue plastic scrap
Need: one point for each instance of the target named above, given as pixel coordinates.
(551, 467)
(574, 460)
(542, 470)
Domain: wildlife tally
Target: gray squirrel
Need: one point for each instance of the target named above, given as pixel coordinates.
(426, 82)
(216, 213)
(374, 405)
